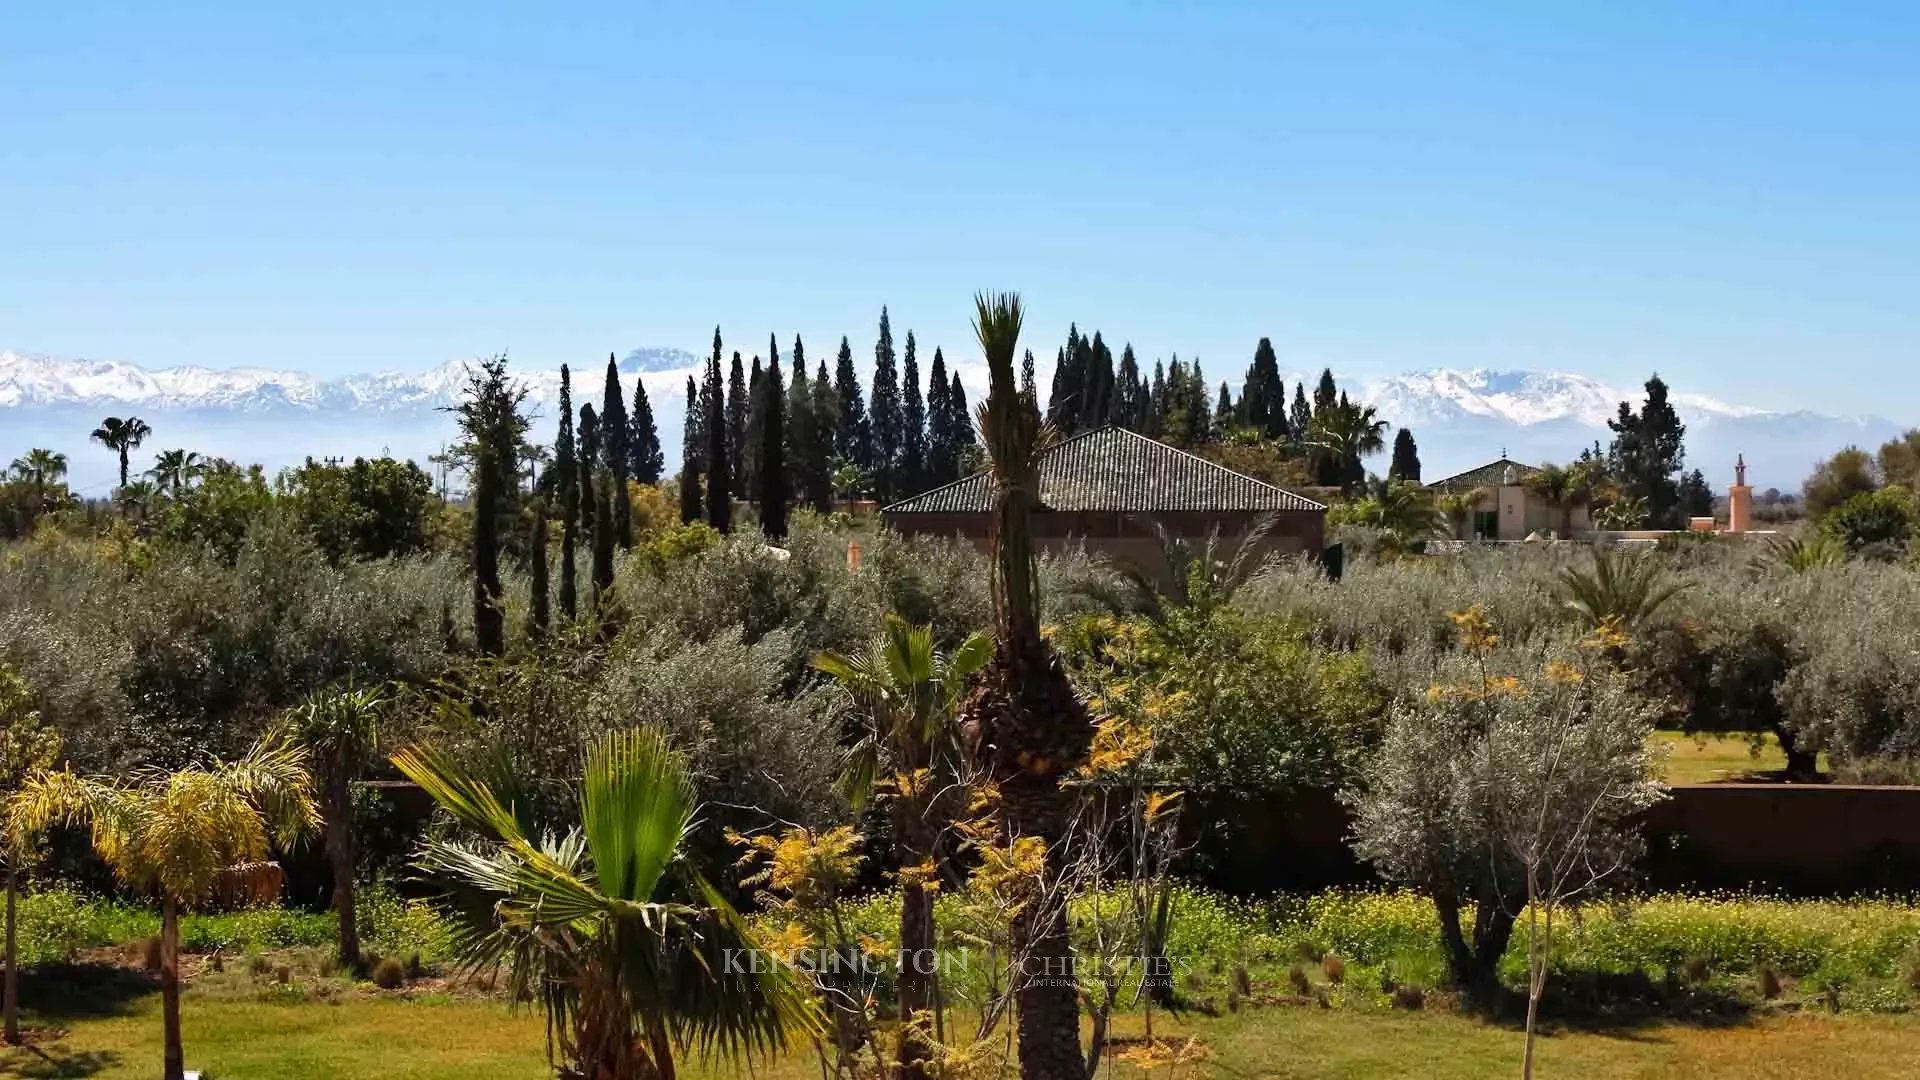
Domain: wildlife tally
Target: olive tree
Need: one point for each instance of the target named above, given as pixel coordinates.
(1511, 788)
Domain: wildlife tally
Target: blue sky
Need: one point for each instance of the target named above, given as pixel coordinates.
(1724, 192)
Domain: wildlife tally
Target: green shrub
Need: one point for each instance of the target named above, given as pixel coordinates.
(389, 974)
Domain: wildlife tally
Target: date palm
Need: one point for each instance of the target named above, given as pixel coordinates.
(1623, 590)
(1022, 723)
(1563, 489)
(906, 691)
(123, 436)
(177, 834)
(28, 745)
(339, 730)
(628, 980)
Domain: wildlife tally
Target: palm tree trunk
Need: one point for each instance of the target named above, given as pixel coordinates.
(123, 464)
(13, 963)
(1046, 998)
(175, 1060)
(917, 960)
(340, 854)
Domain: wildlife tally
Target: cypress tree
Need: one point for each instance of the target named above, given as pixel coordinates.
(853, 436)
(960, 421)
(1406, 458)
(801, 429)
(692, 445)
(1129, 405)
(1223, 414)
(488, 629)
(603, 541)
(773, 464)
(613, 426)
(913, 434)
(1263, 397)
(1200, 408)
(747, 481)
(889, 421)
(737, 400)
(1323, 394)
(1157, 402)
(643, 438)
(719, 468)
(1069, 383)
(1097, 404)
(541, 613)
(826, 419)
(1300, 417)
(1648, 451)
(1027, 386)
(940, 437)
(567, 468)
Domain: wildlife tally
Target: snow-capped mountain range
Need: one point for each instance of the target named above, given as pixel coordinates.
(1460, 418)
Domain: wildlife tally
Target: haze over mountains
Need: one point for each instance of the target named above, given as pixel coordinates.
(1461, 418)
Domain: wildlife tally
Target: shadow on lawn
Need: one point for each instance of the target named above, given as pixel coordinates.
(83, 991)
(1619, 1004)
(54, 1060)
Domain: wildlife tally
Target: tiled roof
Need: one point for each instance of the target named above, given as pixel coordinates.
(1113, 469)
(1492, 474)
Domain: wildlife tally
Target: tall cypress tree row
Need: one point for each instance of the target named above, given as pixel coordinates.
(613, 425)
(889, 424)
(692, 447)
(853, 436)
(747, 480)
(773, 491)
(643, 437)
(1406, 458)
(826, 419)
(913, 432)
(940, 449)
(719, 468)
(567, 469)
(736, 391)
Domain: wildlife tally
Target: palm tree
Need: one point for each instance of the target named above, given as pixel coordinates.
(1193, 575)
(1397, 507)
(123, 437)
(41, 468)
(179, 834)
(1457, 508)
(1621, 590)
(627, 980)
(1022, 723)
(340, 731)
(1566, 490)
(1798, 554)
(175, 470)
(1348, 432)
(906, 690)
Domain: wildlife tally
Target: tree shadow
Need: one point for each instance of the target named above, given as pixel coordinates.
(55, 1060)
(83, 991)
(1621, 1004)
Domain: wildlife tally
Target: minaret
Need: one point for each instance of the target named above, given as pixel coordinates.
(1739, 498)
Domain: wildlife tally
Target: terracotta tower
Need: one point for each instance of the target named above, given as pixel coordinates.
(1739, 498)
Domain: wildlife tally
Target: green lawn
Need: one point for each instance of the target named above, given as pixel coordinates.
(1707, 759)
(359, 1035)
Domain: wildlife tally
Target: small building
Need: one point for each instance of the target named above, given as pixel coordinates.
(1106, 489)
(1505, 507)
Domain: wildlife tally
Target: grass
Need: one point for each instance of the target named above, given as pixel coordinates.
(431, 1039)
(1709, 759)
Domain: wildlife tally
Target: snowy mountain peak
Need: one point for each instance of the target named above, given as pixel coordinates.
(1524, 398)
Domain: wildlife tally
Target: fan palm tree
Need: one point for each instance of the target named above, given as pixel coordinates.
(906, 691)
(627, 980)
(122, 437)
(1022, 723)
(340, 731)
(1622, 590)
(41, 469)
(1347, 432)
(178, 834)
(175, 470)
(1566, 490)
